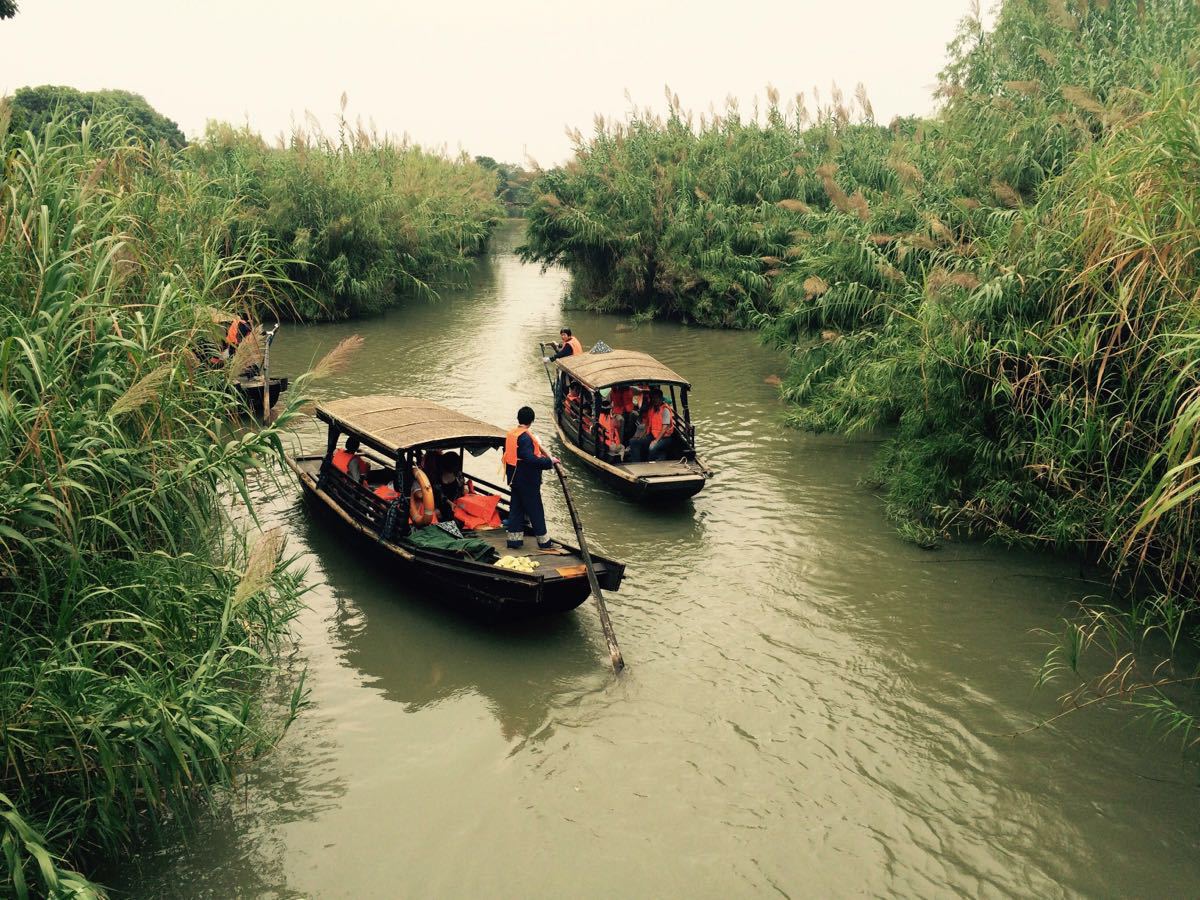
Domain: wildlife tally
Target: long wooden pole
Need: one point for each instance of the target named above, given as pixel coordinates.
(266, 368)
(614, 651)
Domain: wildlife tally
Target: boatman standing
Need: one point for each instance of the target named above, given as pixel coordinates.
(524, 462)
(570, 346)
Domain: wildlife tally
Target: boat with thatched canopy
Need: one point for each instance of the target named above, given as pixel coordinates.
(582, 389)
(398, 436)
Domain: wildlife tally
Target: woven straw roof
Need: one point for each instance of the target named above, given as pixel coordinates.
(601, 370)
(393, 424)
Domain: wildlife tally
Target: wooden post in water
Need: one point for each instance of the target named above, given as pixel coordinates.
(614, 651)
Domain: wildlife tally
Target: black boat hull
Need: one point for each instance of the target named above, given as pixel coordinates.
(483, 591)
(251, 392)
(665, 489)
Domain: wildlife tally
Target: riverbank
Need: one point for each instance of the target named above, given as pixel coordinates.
(138, 621)
(1009, 285)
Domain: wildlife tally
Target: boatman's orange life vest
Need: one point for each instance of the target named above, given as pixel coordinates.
(510, 445)
(576, 347)
(658, 428)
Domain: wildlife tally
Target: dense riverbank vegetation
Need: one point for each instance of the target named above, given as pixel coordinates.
(32, 108)
(364, 221)
(1011, 285)
(137, 624)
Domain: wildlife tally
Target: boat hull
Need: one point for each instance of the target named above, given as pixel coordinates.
(666, 488)
(251, 392)
(483, 591)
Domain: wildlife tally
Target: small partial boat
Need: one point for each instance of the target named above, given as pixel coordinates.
(250, 388)
(394, 434)
(594, 375)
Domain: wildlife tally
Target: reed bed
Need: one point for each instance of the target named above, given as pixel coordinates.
(363, 220)
(136, 623)
(1009, 287)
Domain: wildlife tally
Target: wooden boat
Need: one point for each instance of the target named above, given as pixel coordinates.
(250, 389)
(682, 475)
(394, 433)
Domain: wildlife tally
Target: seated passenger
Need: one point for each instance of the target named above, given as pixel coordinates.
(350, 463)
(657, 441)
(449, 486)
(388, 492)
(610, 434)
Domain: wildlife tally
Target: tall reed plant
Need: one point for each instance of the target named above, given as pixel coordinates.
(135, 624)
(364, 220)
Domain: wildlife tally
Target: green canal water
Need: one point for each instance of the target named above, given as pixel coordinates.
(812, 707)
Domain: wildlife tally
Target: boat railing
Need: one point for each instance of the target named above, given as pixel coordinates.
(360, 502)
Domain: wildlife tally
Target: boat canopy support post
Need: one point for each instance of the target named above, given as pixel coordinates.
(614, 651)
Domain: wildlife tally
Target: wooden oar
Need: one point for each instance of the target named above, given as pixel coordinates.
(266, 373)
(546, 365)
(618, 663)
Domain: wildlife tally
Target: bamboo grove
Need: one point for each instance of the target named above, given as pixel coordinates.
(1011, 286)
(140, 627)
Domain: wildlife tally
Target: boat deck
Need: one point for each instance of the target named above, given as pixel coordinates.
(561, 561)
(558, 562)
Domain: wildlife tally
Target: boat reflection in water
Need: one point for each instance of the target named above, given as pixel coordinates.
(418, 654)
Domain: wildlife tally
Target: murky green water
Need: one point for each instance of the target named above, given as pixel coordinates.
(812, 706)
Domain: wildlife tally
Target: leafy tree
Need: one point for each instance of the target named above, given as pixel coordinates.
(33, 107)
(8, 9)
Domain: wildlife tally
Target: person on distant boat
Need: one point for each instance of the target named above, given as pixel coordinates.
(656, 439)
(661, 423)
(350, 463)
(570, 346)
(621, 400)
(610, 433)
(524, 462)
(237, 331)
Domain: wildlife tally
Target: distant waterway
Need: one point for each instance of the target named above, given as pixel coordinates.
(812, 707)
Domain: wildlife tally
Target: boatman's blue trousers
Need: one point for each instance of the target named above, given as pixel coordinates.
(526, 504)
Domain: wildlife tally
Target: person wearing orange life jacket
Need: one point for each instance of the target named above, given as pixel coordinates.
(659, 439)
(350, 463)
(524, 462)
(610, 433)
(237, 330)
(570, 346)
(621, 400)
(449, 485)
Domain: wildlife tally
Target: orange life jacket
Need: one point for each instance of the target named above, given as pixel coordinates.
(608, 426)
(477, 510)
(387, 493)
(621, 399)
(510, 444)
(657, 428)
(231, 336)
(576, 347)
(341, 461)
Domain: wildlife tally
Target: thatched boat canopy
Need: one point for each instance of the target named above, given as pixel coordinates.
(393, 424)
(601, 370)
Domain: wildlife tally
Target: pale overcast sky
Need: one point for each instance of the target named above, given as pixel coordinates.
(500, 78)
